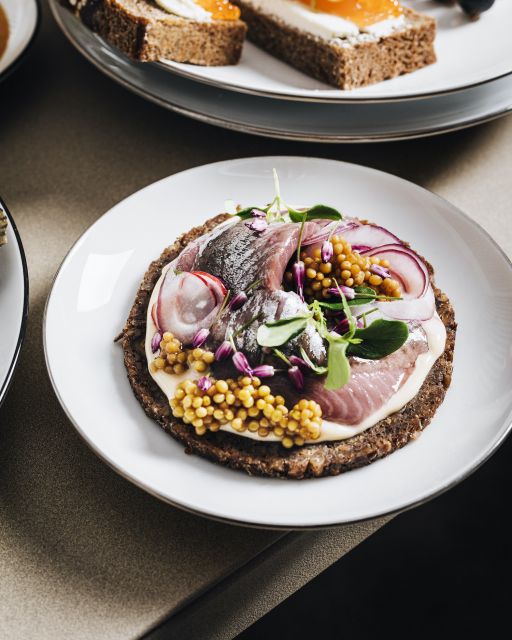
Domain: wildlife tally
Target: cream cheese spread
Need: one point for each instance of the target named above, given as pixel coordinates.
(436, 338)
(185, 9)
(317, 23)
(323, 25)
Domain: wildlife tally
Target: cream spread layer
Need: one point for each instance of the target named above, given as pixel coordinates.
(302, 15)
(201, 10)
(406, 388)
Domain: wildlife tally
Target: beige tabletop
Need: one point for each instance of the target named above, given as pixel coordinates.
(84, 554)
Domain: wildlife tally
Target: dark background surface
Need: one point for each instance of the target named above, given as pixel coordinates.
(441, 569)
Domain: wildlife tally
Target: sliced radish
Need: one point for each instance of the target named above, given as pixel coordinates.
(186, 304)
(212, 282)
(404, 266)
(154, 316)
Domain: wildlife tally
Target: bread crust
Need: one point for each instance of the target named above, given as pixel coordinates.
(272, 459)
(144, 32)
(341, 63)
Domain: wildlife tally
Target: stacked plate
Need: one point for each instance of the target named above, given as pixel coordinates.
(470, 83)
(13, 297)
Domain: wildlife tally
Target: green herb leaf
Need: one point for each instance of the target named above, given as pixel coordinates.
(364, 295)
(314, 367)
(318, 212)
(275, 334)
(246, 213)
(379, 339)
(338, 365)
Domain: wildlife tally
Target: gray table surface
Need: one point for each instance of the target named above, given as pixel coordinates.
(83, 553)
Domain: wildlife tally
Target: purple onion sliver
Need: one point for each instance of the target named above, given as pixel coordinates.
(204, 383)
(295, 375)
(327, 251)
(257, 213)
(155, 342)
(258, 225)
(200, 338)
(299, 362)
(343, 326)
(238, 301)
(241, 363)
(380, 271)
(263, 371)
(299, 276)
(348, 292)
(223, 351)
(360, 248)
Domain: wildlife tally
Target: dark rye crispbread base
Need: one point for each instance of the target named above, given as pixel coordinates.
(358, 65)
(272, 459)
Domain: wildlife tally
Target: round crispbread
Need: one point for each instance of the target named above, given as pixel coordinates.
(272, 459)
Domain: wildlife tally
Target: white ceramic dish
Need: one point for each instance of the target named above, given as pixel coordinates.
(96, 285)
(13, 303)
(291, 120)
(469, 53)
(23, 18)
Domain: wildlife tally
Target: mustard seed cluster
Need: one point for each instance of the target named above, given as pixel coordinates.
(174, 359)
(249, 406)
(347, 267)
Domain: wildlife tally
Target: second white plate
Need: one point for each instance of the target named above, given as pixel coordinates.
(97, 283)
(291, 120)
(469, 53)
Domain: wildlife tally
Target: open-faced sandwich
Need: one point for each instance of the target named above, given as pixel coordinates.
(345, 43)
(290, 341)
(204, 32)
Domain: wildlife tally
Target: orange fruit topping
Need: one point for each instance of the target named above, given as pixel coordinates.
(220, 9)
(362, 12)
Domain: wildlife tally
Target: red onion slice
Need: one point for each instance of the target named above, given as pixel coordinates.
(422, 308)
(325, 231)
(370, 235)
(411, 272)
(406, 267)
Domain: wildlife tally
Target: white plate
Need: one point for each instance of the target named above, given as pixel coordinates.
(13, 303)
(23, 18)
(290, 120)
(469, 53)
(96, 285)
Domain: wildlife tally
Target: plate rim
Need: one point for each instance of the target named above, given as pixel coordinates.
(5, 385)
(287, 97)
(24, 52)
(481, 460)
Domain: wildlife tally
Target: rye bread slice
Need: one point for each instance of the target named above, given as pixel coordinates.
(271, 459)
(143, 31)
(345, 63)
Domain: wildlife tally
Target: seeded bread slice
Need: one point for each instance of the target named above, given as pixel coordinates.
(143, 31)
(272, 459)
(346, 63)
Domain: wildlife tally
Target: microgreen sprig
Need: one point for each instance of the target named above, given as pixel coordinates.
(279, 211)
